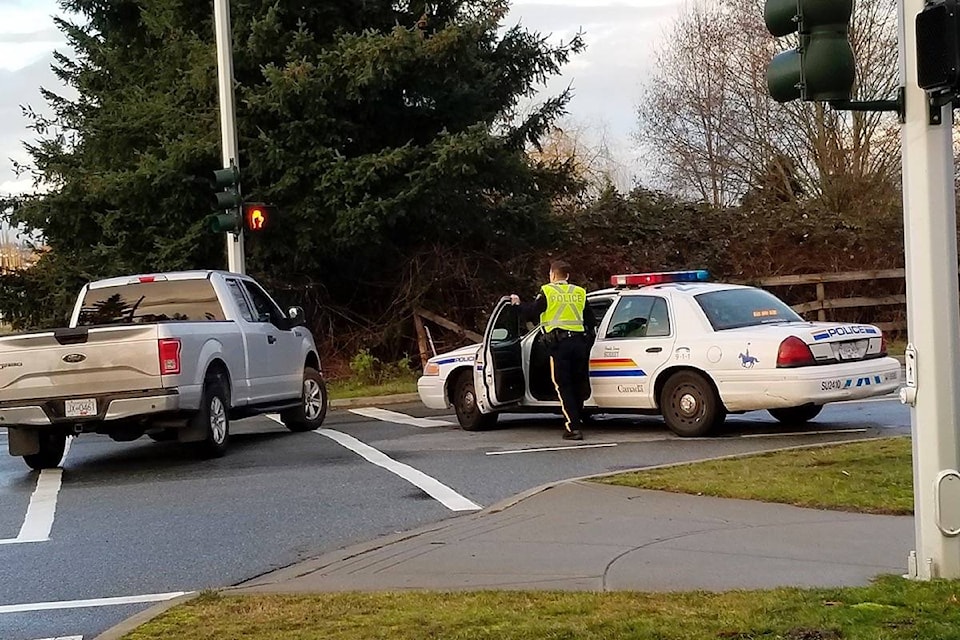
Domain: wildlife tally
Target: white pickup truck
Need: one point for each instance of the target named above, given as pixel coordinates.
(174, 356)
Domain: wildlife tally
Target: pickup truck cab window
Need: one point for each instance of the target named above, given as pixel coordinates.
(238, 297)
(150, 302)
(266, 309)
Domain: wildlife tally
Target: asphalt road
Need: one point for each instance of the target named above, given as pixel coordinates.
(142, 518)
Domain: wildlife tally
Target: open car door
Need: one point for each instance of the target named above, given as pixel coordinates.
(503, 380)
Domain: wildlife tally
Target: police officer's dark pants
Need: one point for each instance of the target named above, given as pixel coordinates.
(570, 368)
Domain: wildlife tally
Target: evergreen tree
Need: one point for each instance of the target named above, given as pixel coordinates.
(378, 127)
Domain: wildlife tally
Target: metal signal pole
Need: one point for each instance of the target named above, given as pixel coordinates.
(933, 317)
(228, 119)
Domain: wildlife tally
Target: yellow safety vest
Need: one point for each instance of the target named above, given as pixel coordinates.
(565, 303)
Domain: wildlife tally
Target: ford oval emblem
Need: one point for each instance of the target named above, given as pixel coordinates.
(74, 358)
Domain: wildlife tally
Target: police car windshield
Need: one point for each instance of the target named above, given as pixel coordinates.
(735, 308)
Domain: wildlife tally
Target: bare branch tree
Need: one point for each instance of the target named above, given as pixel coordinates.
(708, 119)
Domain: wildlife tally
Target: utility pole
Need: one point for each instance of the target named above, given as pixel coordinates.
(933, 316)
(228, 119)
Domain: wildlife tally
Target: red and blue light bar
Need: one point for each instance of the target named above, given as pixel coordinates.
(661, 277)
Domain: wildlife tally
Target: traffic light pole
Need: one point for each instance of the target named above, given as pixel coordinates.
(228, 119)
(933, 315)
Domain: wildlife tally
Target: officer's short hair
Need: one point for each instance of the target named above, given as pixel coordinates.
(560, 267)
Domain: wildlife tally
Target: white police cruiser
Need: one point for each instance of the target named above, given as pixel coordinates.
(673, 344)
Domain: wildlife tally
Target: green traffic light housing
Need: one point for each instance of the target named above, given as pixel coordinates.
(225, 223)
(228, 200)
(822, 68)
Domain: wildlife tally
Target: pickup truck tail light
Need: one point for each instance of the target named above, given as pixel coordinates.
(169, 356)
(794, 352)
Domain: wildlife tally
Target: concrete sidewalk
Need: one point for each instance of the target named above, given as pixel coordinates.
(586, 536)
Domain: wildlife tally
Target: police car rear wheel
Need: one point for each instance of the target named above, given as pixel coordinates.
(689, 405)
(797, 415)
(468, 411)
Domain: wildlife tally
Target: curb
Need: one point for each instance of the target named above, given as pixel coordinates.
(399, 398)
(311, 565)
(132, 623)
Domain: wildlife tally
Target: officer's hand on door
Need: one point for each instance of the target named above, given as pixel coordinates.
(514, 298)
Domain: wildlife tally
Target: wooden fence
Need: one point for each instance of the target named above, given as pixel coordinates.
(821, 304)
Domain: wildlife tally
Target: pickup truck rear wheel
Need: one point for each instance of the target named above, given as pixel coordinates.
(52, 446)
(313, 405)
(465, 404)
(214, 418)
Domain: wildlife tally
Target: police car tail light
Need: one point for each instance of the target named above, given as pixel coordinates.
(883, 345)
(794, 352)
(432, 369)
(661, 277)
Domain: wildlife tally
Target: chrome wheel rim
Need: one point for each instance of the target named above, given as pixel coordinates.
(312, 399)
(688, 404)
(218, 420)
(469, 401)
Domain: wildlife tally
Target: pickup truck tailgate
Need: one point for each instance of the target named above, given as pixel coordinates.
(75, 362)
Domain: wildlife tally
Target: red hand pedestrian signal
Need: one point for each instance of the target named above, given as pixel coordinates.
(256, 216)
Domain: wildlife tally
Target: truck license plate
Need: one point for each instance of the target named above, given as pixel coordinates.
(80, 408)
(849, 351)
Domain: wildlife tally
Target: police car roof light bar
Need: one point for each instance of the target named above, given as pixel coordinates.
(662, 277)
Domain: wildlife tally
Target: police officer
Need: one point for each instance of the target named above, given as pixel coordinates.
(568, 324)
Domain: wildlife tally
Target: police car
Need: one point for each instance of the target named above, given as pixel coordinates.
(673, 344)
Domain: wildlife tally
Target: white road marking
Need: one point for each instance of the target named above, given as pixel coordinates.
(86, 604)
(38, 522)
(826, 432)
(64, 638)
(433, 487)
(400, 418)
(576, 446)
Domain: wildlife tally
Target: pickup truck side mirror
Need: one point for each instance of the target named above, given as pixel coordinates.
(297, 317)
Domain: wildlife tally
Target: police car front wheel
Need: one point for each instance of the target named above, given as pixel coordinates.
(690, 405)
(465, 404)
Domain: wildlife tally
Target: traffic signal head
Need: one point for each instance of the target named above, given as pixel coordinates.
(229, 181)
(225, 223)
(938, 47)
(822, 68)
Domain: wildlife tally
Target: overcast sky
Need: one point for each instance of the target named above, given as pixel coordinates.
(621, 36)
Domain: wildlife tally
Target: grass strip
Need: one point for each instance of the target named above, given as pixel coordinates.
(869, 477)
(890, 608)
(347, 388)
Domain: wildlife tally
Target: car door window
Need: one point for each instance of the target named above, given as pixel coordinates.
(599, 307)
(241, 300)
(266, 310)
(506, 327)
(631, 318)
(658, 323)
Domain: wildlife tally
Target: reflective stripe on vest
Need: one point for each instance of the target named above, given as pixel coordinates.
(565, 303)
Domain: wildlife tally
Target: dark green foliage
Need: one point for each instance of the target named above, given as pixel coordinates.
(377, 129)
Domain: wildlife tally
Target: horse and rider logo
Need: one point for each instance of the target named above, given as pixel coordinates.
(746, 360)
